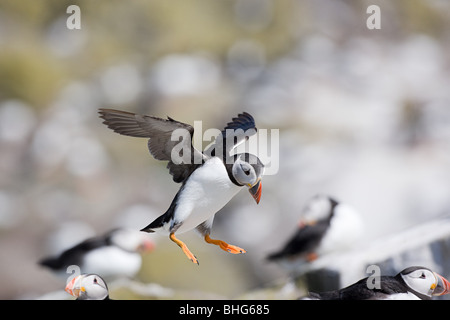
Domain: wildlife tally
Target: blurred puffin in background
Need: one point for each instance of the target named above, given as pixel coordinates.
(325, 226)
(210, 178)
(413, 283)
(116, 254)
(88, 287)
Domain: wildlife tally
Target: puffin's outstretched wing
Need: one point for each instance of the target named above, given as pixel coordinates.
(237, 131)
(164, 135)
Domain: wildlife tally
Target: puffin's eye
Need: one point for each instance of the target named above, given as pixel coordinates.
(422, 276)
(95, 280)
(246, 170)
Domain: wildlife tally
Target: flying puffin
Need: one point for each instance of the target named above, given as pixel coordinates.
(113, 255)
(326, 225)
(413, 283)
(209, 179)
(88, 287)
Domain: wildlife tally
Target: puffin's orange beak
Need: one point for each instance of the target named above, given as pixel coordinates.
(146, 246)
(255, 190)
(72, 287)
(442, 287)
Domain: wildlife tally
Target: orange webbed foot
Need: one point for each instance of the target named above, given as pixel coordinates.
(225, 246)
(185, 249)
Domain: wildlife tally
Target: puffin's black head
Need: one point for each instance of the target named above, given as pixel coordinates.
(247, 170)
(424, 282)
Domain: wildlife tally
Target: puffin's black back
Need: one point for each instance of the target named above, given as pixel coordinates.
(304, 240)
(75, 254)
(107, 298)
(359, 290)
(307, 238)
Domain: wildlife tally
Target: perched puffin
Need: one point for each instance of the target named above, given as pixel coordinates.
(413, 283)
(113, 255)
(88, 287)
(326, 225)
(210, 179)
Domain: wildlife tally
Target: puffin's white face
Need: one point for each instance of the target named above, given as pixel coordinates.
(88, 287)
(426, 282)
(132, 240)
(249, 174)
(244, 172)
(318, 208)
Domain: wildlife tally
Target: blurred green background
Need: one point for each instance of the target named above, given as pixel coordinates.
(363, 115)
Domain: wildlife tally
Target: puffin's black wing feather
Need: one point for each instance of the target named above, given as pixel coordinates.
(235, 132)
(243, 121)
(304, 241)
(163, 134)
(74, 255)
(360, 291)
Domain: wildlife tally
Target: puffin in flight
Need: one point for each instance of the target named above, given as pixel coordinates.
(88, 287)
(209, 179)
(326, 226)
(112, 255)
(413, 283)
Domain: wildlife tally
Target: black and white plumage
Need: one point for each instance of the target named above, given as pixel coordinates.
(413, 283)
(326, 226)
(113, 255)
(210, 179)
(88, 287)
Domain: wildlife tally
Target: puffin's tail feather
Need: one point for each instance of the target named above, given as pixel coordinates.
(157, 223)
(274, 256)
(51, 262)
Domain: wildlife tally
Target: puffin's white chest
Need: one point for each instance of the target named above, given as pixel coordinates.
(112, 262)
(346, 229)
(207, 191)
(402, 296)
